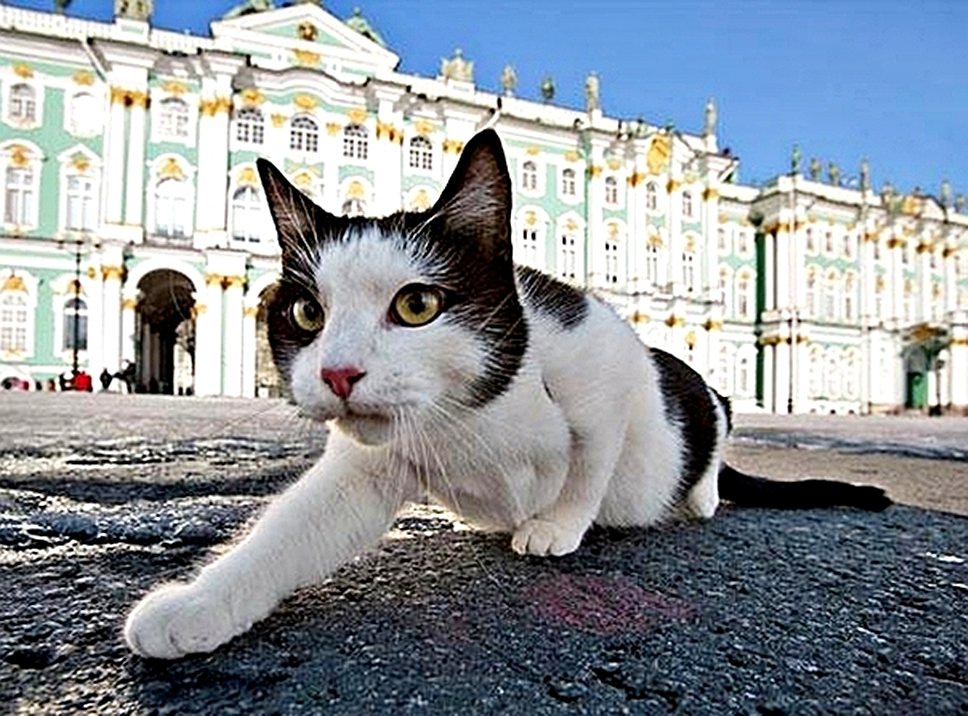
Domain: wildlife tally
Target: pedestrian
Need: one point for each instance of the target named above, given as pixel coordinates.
(105, 379)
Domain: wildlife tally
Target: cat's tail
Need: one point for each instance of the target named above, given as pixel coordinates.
(752, 491)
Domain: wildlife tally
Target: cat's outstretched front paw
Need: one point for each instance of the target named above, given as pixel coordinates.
(179, 619)
(541, 537)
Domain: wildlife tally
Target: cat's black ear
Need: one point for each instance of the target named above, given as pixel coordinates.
(476, 203)
(300, 224)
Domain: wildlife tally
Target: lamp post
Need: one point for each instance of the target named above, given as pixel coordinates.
(78, 243)
(793, 293)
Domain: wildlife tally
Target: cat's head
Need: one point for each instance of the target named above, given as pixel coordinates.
(377, 321)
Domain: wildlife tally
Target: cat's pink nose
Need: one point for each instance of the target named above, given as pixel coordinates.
(341, 380)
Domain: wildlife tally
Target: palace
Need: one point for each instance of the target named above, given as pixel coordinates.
(135, 231)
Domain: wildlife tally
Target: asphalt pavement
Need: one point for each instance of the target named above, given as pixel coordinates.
(756, 611)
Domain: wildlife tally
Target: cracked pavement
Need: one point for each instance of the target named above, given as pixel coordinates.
(757, 611)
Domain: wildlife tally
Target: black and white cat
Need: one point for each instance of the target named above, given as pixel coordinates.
(519, 402)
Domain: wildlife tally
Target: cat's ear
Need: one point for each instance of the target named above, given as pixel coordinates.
(300, 224)
(476, 203)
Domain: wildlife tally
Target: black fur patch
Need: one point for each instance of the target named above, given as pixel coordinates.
(559, 301)
(689, 406)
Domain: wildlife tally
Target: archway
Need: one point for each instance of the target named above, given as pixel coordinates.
(916, 378)
(165, 334)
(268, 383)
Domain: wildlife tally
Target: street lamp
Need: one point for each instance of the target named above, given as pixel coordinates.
(78, 242)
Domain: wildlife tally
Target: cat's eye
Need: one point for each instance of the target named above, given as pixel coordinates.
(307, 315)
(416, 305)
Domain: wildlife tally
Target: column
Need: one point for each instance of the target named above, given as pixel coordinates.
(94, 290)
(895, 286)
(769, 364)
(233, 351)
(674, 234)
(950, 257)
(208, 338)
(958, 362)
(114, 149)
(769, 271)
(710, 230)
(594, 225)
(249, 348)
(213, 162)
(925, 299)
(782, 278)
(111, 318)
(387, 168)
(129, 305)
(134, 183)
(781, 372)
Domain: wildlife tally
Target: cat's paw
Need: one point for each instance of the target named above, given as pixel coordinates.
(178, 619)
(541, 538)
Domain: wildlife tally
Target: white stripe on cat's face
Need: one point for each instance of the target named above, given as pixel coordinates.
(404, 367)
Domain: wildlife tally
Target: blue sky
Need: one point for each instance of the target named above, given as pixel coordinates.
(846, 79)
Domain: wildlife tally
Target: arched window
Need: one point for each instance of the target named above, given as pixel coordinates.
(421, 153)
(850, 297)
(832, 374)
(22, 106)
(303, 134)
(14, 320)
(815, 384)
(653, 259)
(20, 196)
(354, 207)
(173, 117)
(612, 261)
(851, 376)
(724, 372)
(744, 295)
(811, 242)
(84, 114)
(569, 186)
(247, 215)
(172, 208)
(744, 375)
(355, 142)
(811, 293)
(687, 207)
(529, 176)
(249, 126)
(722, 242)
(568, 257)
(828, 242)
(651, 196)
(689, 271)
(831, 297)
(611, 191)
(81, 203)
(75, 323)
(528, 253)
(726, 289)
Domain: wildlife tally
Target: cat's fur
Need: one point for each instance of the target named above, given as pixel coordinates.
(526, 406)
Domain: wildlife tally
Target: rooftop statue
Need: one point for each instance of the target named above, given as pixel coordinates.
(457, 68)
(796, 158)
(548, 88)
(248, 7)
(509, 80)
(833, 173)
(815, 169)
(865, 175)
(133, 9)
(592, 93)
(709, 126)
(361, 25)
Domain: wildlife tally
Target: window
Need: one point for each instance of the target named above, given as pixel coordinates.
(303, 134)
(877, 250)
(744, 375)
(687, 204)
(81, 203)
(815, 384)
(19, 208)
(421, 153)
(851, 375)
(689, 271)
(569, 186)
(848, 246)
(529, 176)
(828, 242)
(354, 207)
(14, 317)
(811, 293)
(247, 215)
(75, 322)
(723, 372)
(567, 257)
(249, 126)
(850, 300)
(722, 243)
(832, 375)
(22, 106)
(172, 208)
(726, 290)
(173, 118)
(84, 115)
(744, 242)
(830, 298)
(355, 142)
(652, 259)
(611, 191)
(811, 242)
(528, 253)
(651, 196)
(744, 302)
(611, 262)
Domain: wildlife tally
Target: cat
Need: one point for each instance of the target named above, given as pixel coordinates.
(521, 403)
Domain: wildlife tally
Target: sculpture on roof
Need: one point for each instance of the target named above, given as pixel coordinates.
(509, 80)
(592, 93)
(865, 174)
(945, 194)
(548, 88)
(360, 24)
(796, 159)
(815, 169)
(457, 68)
(133, 9)
(833, 173)
(248, 7)
(709, 126)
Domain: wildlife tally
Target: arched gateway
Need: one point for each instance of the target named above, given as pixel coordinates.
(165, 333)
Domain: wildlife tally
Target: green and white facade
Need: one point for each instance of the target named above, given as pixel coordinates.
(133, 149)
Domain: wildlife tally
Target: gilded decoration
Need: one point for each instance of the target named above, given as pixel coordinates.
(233, 282)
(250, 311)
(571, 225)
(655, 241)
(911, 205)
(91, 273)
(672, 185)
(112, 273)
(895, 243)
(83, 77)
(24, 71)
(572, 156)
(709, 194)
(247, 177)
(421, 202)
(691, 244)
(533, 151)
(614, 164)
(636, 178)
(333, 128)
(691, 339)
(357, 116)
(307, 31)
(251, 97)
(19, 155)
(14, 283)
(613, 231)
(595, 171)
(214, 106)
(713, 325)
(80, 162)
(174, 87)
(658, 155)
(924, 248)
(355, 190)
(171, 169)
(198, 309)
(530, 218)
(277, 119)
(303, 180)
(385, 130)
(949, 251)
(880, 284)
(870, 236)
(674, 321)
(137, 99)
(936, 291)
(453, 146)
(129, 304)
(306, 58)
(423, 127)
(639, 317)
(305, 102)
(214, 279)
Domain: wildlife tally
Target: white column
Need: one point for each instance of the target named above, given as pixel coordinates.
(769, 361)
(782, 373)
(111, 318)
(959, 362)
(769, 268)
(895, 286)
(213, 163)
(782, 278)
(711, 229)
(94, 289)
(129, 305)
(114, 146)
(674, 233)
(134, 183)
(388, 168)
(249, 315)
(233, 351)
(208, 338)
(950, 278)
(595, 229)
(925, 299)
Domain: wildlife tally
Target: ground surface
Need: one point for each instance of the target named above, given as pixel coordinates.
(762, 612)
